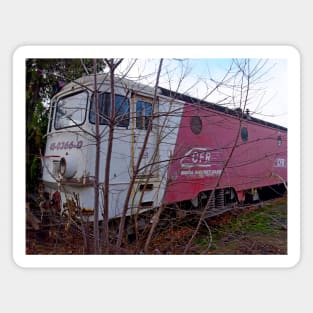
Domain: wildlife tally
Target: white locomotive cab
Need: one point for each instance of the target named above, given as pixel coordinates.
(69, 160)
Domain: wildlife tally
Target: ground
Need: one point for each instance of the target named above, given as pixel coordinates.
(258, 229)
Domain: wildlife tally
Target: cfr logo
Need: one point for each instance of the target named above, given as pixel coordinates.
(196, 157)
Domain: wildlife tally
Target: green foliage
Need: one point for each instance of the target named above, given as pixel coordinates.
(42, 77)
(266, 221)
(258, 222)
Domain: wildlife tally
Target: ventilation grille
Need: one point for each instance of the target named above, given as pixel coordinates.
(55, 167)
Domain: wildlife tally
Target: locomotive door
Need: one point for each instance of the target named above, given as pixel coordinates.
(143, 113)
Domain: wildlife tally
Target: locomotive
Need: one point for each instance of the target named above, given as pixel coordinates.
(196, 153)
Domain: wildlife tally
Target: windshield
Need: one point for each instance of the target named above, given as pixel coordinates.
(71, 110)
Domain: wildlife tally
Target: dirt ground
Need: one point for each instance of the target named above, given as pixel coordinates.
(259, 229)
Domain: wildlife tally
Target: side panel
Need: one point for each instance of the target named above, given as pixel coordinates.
(207, 140)
(155, 162)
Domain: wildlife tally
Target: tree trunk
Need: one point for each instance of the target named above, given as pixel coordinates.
(137, 167)
(97, 164)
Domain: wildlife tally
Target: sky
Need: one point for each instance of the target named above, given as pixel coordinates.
(268, 94)
(268, 97)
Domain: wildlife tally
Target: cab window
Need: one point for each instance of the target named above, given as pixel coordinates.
(143, 114)
(121, 107)
(71, 110)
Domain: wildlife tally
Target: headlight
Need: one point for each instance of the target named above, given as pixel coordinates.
(68, 167)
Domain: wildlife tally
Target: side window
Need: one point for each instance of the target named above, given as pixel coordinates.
(52, 109)
(279, 140)
(244, 134)
(104, 108)
(143, 114)
(122, 111)
(196, 124)
(121, 106)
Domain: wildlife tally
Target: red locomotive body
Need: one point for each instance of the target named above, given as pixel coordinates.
(226, 151)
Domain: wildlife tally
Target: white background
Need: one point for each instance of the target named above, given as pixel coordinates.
(163, 22)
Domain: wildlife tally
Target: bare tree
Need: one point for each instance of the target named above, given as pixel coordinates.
(240, 88)
(112, 64)
(97, 137)
(235, 88)
(137, 167)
